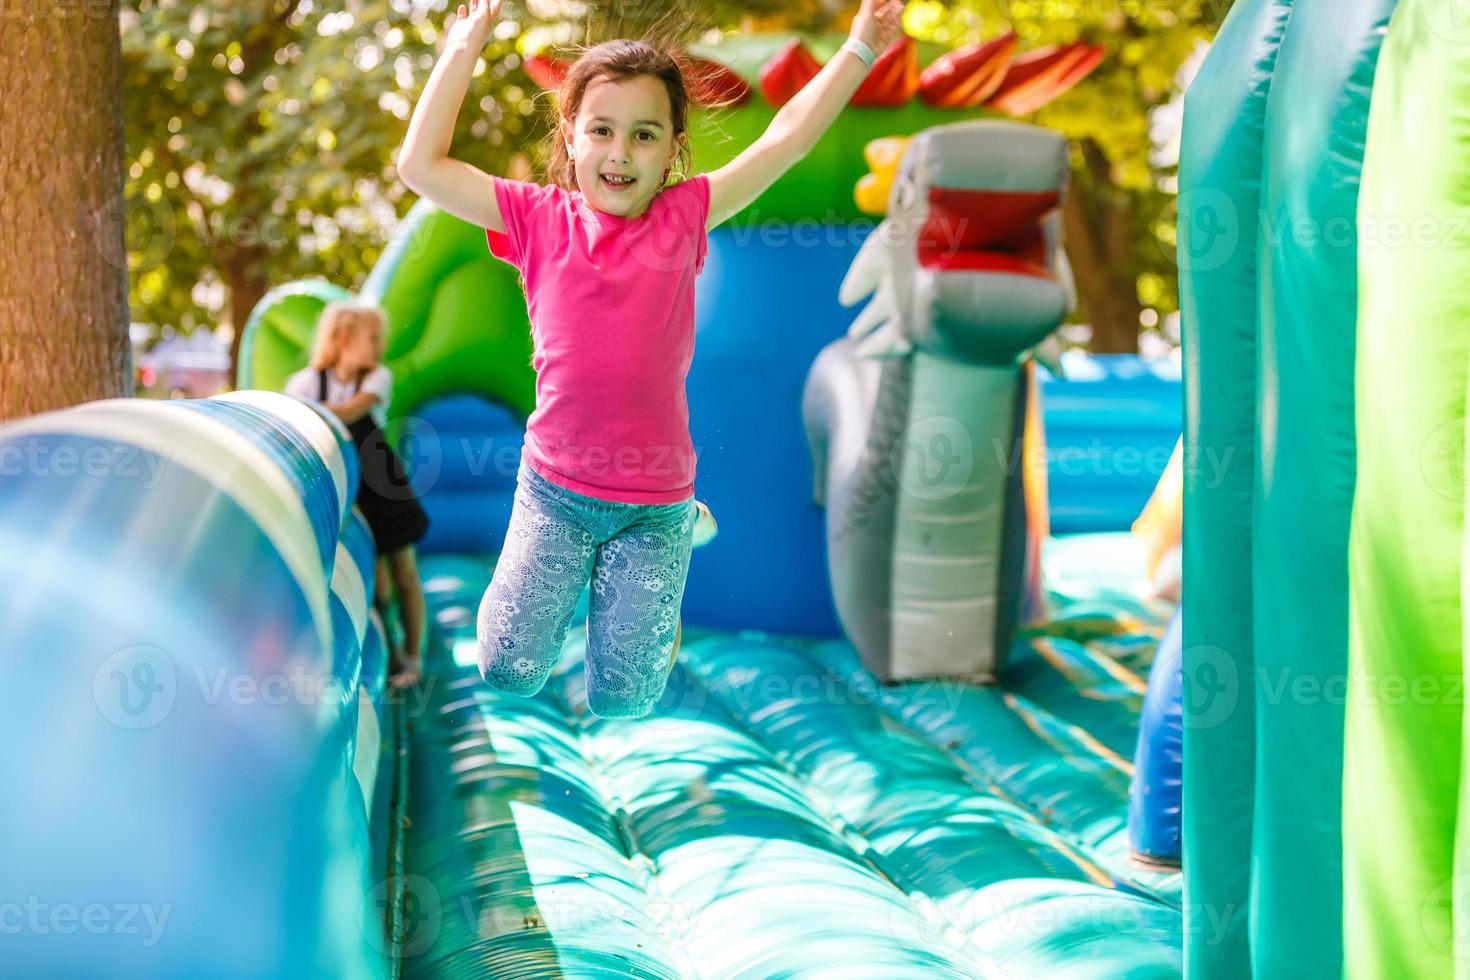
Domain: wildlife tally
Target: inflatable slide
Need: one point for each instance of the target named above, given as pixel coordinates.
(899, 738)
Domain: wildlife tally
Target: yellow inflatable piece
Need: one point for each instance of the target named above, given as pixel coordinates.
(882, 156)
(1160, 527)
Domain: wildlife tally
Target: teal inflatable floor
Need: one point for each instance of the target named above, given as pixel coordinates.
(784, 815)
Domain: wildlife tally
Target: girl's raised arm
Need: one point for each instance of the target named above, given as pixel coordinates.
(424, 163)
(801, 122)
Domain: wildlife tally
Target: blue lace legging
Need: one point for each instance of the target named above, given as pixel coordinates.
(637, 557)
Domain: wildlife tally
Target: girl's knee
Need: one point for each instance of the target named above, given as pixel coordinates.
(519, 676)
(615, 689)
(513, 657)
(611, 704)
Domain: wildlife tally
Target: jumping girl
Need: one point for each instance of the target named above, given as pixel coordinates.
(608, 251)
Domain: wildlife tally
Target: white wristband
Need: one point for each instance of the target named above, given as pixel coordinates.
(860, 49)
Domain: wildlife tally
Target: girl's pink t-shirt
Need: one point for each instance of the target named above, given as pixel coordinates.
(611, 302)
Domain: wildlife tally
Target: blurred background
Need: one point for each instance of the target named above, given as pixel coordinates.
(260, 136)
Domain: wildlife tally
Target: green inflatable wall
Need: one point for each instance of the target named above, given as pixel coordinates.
(1219, 195)
(1404, 899)
(1316, 124)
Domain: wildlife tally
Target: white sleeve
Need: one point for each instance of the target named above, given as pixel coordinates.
(303, 384)
(379, 381)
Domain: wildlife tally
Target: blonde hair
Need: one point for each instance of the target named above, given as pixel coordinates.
(339, 323)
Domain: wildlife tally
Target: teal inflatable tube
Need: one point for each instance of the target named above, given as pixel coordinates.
(1316, 127)
(1219, 204)
(172, 697)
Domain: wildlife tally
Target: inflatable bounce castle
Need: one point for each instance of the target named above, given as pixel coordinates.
(936, 714)
(1321, 238)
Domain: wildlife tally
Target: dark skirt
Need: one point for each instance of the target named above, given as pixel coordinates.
(384, 494)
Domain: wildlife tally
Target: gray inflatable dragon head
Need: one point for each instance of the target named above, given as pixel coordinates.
(968, 263)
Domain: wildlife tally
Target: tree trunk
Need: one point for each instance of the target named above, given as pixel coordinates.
(244, 271)
(1097, 221)
(63, 257)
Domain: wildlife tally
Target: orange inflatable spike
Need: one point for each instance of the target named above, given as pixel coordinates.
(966, 77)
(1039, 76)
(1083, 67)
(547, 72)
(786, 71)
(894, 77)
(712, 84)
(1080, 65)
(1031, 71)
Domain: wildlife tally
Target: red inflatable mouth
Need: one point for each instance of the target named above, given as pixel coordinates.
(990, 231)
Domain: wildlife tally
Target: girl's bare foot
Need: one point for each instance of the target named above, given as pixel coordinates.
(408, 674)
(705, 527)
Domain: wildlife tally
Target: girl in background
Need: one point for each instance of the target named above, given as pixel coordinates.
(608, 251)
(346, 374)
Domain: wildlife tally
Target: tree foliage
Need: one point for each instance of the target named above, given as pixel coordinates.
(261, 137)
(1120, 213)
(261, 133)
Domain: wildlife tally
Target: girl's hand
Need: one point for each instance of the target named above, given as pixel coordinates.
(878, 23)
(473, 23)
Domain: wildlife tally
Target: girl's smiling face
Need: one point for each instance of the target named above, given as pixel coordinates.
(622, 143)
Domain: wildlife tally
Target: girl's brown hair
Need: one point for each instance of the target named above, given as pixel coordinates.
(339, 323)
(618, 60)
